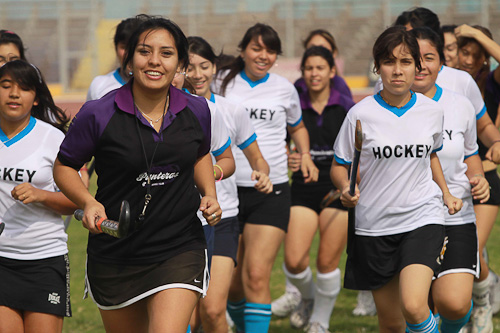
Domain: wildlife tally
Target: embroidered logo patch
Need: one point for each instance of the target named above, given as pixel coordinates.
(54, 298)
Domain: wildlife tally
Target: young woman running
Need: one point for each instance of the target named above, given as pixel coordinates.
(151, 279)
(273, 106)
(399, 217)
(463, 171)
(323, 111)
(475, 46)
(202, 67)
(34, 265)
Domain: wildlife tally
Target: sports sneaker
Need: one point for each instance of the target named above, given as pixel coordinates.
(300, 316)
(481, 318)
(285, 304)
(315, 328)
(366, 304)
(494, 293)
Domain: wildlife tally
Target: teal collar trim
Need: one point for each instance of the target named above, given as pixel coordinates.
(9, 142)
(252, 84)
(397, 111)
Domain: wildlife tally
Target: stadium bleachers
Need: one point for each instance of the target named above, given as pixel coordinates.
(354, 23)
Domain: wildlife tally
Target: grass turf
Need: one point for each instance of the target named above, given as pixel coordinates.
(86, 316)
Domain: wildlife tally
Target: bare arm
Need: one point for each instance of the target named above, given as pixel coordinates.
(300, 137)
(70, 183)
(55, 201)
(454, 204)
(204, 180)
(226, 162)
(480, 187)
(259, 166)
(339, 174)
(490, 137)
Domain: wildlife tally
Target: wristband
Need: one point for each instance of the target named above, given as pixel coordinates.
(221, 173)
(306, 153)
(84, 169)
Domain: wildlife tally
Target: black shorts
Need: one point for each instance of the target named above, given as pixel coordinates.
(36, 285)
(226, 236)
(310, 195)
(374, 261)
(461, 255)
(494, 180)
(114, 286)
(208, 230)
(268, 209)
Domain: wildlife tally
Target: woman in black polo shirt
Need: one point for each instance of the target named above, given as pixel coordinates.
(151, 143)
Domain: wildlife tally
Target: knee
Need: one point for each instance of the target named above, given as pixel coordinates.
(213, 312)
(454, 309)
(256, 279)
(415, 311)
(296, 264)
(391, 327)
(326, 265)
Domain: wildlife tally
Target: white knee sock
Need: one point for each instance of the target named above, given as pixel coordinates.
(481, 292)
(327, 290)
(303, 281)
(290, 288)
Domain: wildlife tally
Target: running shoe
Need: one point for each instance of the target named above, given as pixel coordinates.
(302, 313)
(366, 304)
(285, 304)
(482, 321)
(316, 328)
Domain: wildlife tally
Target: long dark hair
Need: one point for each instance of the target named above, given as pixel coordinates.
(7, 37)
(481, 76)
(319, 51)
(28, 76)
(270, 39)
(201, 47)
(323, 33)
(156, 23)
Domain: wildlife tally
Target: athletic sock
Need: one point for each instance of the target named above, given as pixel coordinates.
(437, 318)
(237, 312)
(289, 287)
(454, 326)
(428, 326)
(257, 317)
(481, 292)
(189, 329)
(303, 281)
(327, 290)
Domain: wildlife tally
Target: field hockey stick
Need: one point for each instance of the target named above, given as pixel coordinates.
(329, 198)
(2, 226)
(118, 229)
(358, 141)
(90, 171)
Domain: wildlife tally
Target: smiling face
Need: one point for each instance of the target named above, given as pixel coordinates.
(450, 49)
(317, 74)
(9, 52)
(258, 59)
(200, 73)
(471, 58)
(425, 79)
(155, 61)
(15, 103)
(397, 72)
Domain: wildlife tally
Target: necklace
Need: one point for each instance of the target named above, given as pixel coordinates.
(394, 106)
(151, 120)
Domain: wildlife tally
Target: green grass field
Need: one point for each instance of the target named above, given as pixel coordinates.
(86, 316)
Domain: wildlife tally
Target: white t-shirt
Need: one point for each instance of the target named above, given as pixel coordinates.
(32, 231)
(459, 143)
(397, 191)
(271, 103)
(220, 141)
(458, 81)
(103, 84)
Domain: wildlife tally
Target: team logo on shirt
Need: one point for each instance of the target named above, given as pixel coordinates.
(398, 151)
(18, 175)
(159, 175)
(262, 114)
